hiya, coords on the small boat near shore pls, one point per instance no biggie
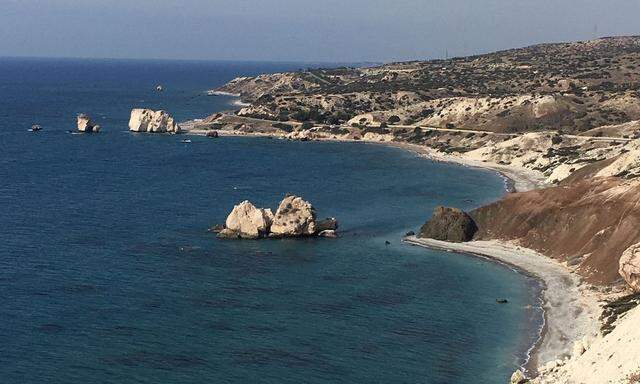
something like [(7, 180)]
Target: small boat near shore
[(35, 128), (186, 141)]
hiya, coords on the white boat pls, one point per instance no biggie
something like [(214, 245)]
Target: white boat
[(186, 141), (35, 128)]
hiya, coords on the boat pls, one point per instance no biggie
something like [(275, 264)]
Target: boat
[(159, 88), (35, 128), (186, 141)]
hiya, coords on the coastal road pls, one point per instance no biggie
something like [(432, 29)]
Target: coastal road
[(513, 135), (432, 128)]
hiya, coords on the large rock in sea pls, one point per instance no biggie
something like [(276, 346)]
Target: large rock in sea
[(247, 221), (449, 224), (294, 217), (629, 267), (147, 120), (86, 124)]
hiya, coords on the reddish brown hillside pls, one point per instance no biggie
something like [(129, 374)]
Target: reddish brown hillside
[(588, 223)]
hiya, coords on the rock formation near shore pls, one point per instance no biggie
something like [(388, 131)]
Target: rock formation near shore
[(147, 120), (86, 124), (630, 266), (449, 224), (294, 217)]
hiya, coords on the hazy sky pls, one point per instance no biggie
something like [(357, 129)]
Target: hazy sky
[(301, 30)]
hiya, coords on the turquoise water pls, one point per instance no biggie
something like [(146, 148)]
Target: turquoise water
[(108, 274)]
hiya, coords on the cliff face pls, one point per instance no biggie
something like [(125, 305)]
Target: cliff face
[(588, 223)]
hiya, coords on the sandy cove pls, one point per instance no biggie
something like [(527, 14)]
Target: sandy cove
[(571, 308)]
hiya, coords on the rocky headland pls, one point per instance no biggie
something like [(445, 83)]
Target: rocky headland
[(294, 217), (561, 121)]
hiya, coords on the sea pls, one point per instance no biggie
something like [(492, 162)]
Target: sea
[(108, 273)]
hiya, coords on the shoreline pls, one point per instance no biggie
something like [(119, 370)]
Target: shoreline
[(516, 179), (564, 298), (570, 308)]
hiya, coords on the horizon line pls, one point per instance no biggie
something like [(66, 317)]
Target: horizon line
[(2, 57)]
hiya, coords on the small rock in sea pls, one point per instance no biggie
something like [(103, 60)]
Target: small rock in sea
[(217, 228), (410, 233), (502, 301), (330, 233), (86, 124), (328, 224), (228, 234), (212, 134), (387, 242)]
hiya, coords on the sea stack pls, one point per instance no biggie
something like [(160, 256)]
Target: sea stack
[(294, 217), (86, 124), (147, 120)]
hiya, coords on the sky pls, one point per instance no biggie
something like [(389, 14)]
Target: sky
[(301, 30)]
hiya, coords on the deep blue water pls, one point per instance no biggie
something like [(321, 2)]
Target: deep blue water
[(108, 275)]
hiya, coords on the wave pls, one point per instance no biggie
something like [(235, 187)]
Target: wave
[(222, 93)]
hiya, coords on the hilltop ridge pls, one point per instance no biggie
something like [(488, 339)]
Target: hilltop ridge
[(573, 87)]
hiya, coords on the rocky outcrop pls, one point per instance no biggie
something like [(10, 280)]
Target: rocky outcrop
[(247, 221), (86, 124), (518, 378), (449, 224), (629, 267), (295, 217), (147, 120)]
